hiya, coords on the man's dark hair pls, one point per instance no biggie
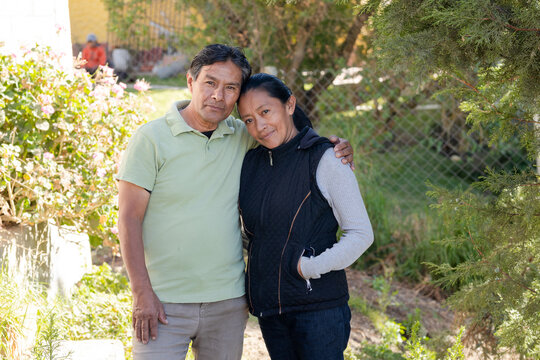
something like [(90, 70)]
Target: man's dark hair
[(276, 88), (220, 53)]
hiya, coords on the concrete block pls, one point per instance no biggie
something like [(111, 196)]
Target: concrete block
[(91, 350), (46, 254)]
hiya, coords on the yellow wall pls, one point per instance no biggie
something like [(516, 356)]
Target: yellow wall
[(88, 16)]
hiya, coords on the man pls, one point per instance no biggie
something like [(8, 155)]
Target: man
[(178, 217), (94, 54)]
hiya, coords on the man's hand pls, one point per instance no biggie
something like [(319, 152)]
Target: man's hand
[(147, 311), (343, 150)]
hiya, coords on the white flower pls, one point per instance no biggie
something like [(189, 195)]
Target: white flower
[(48, 156), (44, 125), (47, 110)]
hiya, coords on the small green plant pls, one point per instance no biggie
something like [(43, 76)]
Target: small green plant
[(455, 352), (383, 285), (100, 307), (378, 352), (48, 337), (415, 348), (411, 320)]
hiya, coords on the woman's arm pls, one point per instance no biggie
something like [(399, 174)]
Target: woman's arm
[(340, 188)]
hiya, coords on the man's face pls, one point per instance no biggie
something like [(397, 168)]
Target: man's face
[(215, 91)]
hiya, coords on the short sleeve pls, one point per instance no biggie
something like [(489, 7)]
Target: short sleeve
[(139, 163)]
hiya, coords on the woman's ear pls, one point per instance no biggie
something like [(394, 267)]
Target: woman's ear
[(291, 104)]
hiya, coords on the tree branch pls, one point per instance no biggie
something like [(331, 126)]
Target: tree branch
[(472, 87)]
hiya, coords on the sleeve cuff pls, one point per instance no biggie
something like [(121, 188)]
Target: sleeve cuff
[(309, 269)]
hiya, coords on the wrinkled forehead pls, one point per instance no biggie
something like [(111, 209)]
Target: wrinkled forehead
[(225, 71)]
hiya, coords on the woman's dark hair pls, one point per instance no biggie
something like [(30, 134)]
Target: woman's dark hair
[(220, 53), (276, 89)]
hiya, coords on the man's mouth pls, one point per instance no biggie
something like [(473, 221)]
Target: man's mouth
[(214, 107)]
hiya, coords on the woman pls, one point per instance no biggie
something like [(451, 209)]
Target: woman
[(294, 193)]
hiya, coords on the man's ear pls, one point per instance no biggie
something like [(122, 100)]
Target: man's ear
[(189, 81), (291, 104)]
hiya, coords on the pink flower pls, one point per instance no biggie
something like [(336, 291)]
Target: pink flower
[(98, 156), (122, 85), (48, 156), (118, 90), (47, 109), (141, 85), (45, 99), (109, 81), (114, 230), (107, 71), (59, 28), (101, 172)]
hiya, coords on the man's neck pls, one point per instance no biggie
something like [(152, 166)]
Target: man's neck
[(194, 120)]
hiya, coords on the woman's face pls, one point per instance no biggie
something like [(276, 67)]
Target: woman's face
[(267, 119)]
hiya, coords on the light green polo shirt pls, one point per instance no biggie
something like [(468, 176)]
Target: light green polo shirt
[(191, 229)]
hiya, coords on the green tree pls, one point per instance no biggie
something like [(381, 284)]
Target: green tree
[(308, 41), (487, 52)]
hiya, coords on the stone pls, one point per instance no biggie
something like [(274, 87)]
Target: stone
[(56, 257), (91, 350)]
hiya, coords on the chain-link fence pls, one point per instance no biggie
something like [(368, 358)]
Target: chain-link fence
[(404, 136)]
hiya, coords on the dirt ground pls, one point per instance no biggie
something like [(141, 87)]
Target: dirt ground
[(435, 318)]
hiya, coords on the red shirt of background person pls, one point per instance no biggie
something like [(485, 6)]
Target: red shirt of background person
[(94, 54)]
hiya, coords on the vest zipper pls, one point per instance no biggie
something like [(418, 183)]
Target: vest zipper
[(283, 251), (249, 278), (271, 160), (308, 285)]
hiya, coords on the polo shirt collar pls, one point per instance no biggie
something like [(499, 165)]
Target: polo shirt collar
[(178, 125)]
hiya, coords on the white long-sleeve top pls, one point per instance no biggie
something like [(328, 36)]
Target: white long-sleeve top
[(339, 187)]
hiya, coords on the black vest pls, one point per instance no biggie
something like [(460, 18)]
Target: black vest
[(284, 214)]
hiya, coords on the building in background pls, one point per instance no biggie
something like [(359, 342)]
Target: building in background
[(25, 23), (148, 38)]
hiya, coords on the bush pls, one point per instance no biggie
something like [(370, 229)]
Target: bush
[(61, 135), (15, 301), (100, 308)]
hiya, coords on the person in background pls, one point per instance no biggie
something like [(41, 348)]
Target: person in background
[(94, 54), (294, 193)]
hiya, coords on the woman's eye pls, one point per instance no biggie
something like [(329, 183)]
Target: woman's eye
[(248, 121)]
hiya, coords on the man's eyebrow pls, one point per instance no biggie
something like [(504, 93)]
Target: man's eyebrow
[(216, 79)]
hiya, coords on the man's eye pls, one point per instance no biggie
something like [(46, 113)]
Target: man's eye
[(211, 83), (265, 111), (233, 88)]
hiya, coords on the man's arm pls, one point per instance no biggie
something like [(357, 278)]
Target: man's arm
[(343, 150), (147, 309)]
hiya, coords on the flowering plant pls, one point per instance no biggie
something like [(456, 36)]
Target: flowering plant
[(61, 136)]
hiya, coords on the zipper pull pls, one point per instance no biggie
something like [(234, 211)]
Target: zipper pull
[(308, 285), (271, 160)]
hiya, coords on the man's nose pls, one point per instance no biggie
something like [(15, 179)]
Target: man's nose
[(217, 95)]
